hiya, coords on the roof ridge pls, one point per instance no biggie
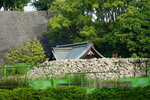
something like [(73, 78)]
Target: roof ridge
[(74, 44)]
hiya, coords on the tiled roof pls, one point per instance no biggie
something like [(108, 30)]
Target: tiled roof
[(72, 51)]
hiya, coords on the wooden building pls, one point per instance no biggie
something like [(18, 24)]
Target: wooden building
[(84, 50)]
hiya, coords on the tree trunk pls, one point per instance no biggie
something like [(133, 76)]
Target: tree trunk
[(4, 5)]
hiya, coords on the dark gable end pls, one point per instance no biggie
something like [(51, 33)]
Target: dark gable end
[(91, 53)]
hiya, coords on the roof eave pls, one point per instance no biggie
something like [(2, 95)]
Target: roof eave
[(98, 52), (91, 46)]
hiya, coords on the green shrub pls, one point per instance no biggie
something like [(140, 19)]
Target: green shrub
[(77, 93), (121, 93), (25, 94), (52, 93), (8, 71), (64, 93), (11, 70), (78, 79), (22, 68), (4, 94), (13, 76), (30, 52)]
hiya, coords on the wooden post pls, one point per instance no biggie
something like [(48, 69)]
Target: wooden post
[(5, 72), (29, 79)]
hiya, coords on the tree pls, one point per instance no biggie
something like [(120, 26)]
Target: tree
[(13, 5), (135, 30), (42, 4), (70, 21), (130, 37), (116, 26), (73, 17), (31, 53)]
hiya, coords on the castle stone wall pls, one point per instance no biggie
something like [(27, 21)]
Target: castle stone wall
[(107, 68)]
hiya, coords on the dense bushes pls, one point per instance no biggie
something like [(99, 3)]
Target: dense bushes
[(65, 93), (77, 93), (30, 52), (5, 94), (121, 93), (52, 93)]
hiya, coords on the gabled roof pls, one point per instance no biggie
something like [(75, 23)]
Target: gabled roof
[(73, 51), (16, 26)]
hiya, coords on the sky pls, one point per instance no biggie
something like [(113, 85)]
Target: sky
[(29, 8), (26, 8)]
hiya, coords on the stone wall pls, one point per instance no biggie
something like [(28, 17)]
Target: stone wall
[(107, 68)]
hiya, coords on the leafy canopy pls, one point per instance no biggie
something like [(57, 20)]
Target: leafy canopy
[(30, 53), (115, 26), (42, 4), (13, 5)]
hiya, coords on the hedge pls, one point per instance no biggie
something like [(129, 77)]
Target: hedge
[(121, 93), (52, 93), (77, 93)]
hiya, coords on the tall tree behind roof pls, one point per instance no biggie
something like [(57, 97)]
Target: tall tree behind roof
[(13, 5), (42, 4), (104, 22)]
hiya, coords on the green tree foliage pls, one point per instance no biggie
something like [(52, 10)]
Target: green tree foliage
[(116, 26), (31, 53), (71, 17), (15, 5), (132, 32), (42, 4), (21, 68), (130, 36)]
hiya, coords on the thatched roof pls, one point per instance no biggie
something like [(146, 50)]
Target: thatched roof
[(19, 26)]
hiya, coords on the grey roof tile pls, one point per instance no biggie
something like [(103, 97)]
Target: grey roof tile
[(72, 51)]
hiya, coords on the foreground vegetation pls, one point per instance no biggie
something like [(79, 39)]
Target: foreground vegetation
[(76, 93)]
